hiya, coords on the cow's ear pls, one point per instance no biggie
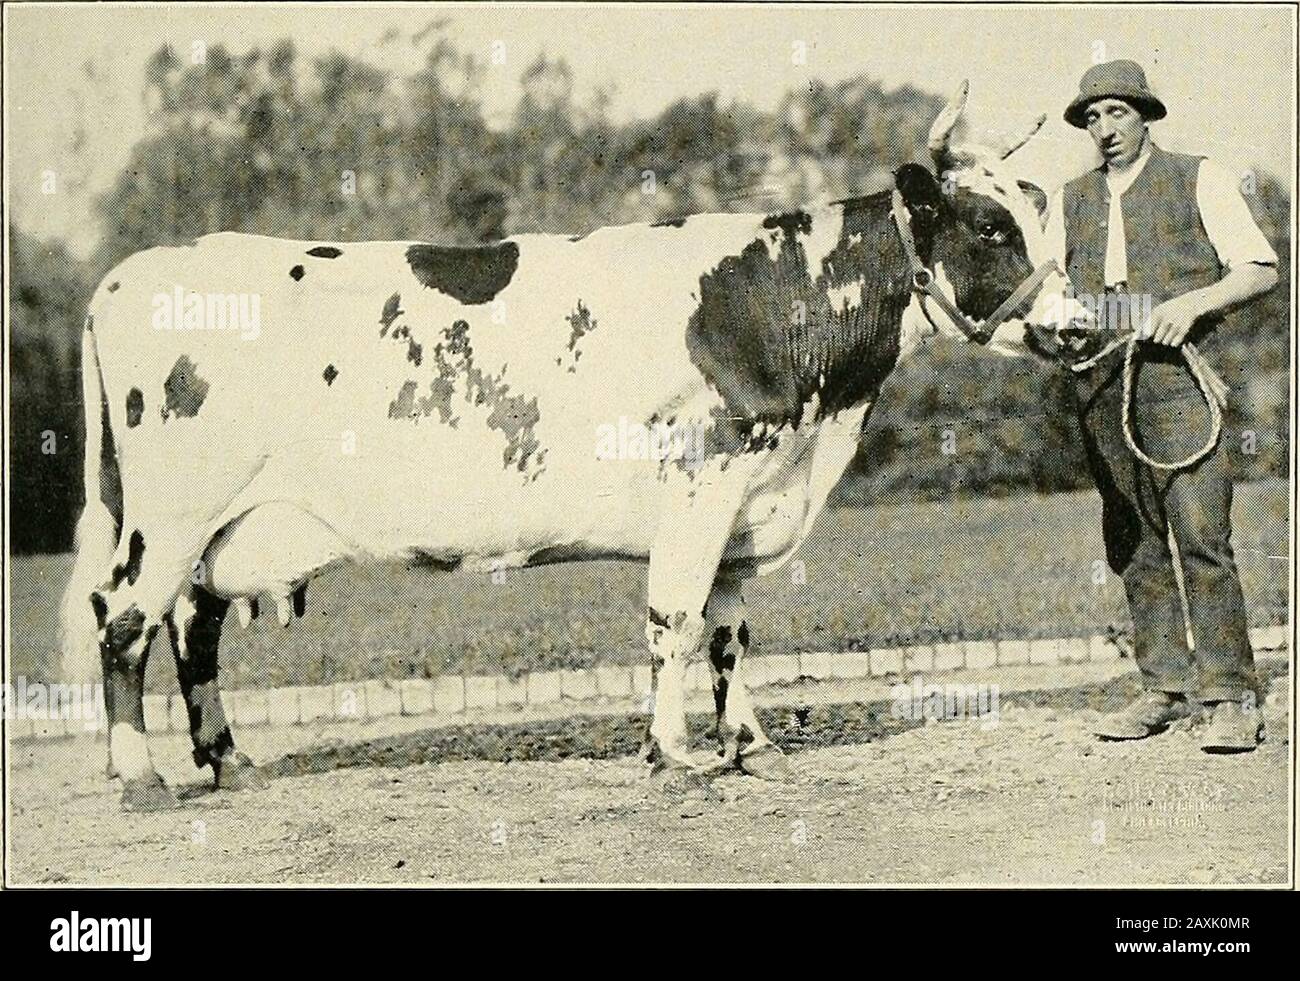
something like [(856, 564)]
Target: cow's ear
[(921, 192), (1035, 194)]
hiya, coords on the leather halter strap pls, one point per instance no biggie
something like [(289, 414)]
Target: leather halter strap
[(924, 285)]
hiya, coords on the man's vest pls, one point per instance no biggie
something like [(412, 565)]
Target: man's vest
[(1168, 251)]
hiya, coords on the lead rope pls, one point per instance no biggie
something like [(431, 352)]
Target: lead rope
[(1213, 390), (1211, 386)]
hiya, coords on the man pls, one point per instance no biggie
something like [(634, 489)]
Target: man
[(1162, 243)]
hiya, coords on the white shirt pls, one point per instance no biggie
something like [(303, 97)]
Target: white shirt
[(1224, 214), (1117, 182)]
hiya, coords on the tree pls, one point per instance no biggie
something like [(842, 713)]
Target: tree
[(49, 289)]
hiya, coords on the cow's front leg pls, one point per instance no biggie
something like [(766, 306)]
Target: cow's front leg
[(741, 738), (693, 532), (195, 630), (672, 638)]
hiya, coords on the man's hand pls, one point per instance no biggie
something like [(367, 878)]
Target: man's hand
[(1172, 320)]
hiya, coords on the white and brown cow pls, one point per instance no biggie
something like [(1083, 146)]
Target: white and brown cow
[(390, 400)]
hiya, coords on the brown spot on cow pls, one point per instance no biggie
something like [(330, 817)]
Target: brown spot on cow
[(100, 606), (392, 310), (790, 222), (517, 418), (403, 407), (722, 660), (297, 273), (438, 400), (767, 363), (458, 338), (134, 407), (724, 663), (470, 274), (581, 324), (123, 631), (514, 415), (325, 252), (330, 374), (130, 570), (114, 286), (184, 390)]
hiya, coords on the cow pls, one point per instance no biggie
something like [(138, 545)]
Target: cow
[(360, 402)]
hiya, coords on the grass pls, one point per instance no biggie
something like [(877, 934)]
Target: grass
[(1016, 567)]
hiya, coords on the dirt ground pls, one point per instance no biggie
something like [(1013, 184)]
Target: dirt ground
[(1031, 799)]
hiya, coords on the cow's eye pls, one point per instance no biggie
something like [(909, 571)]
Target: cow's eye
[(992, 234)]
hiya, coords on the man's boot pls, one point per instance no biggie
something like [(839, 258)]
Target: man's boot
[(1151, 713), (1233, 728)]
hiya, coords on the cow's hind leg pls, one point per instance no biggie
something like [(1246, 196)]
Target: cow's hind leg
[(741, 738), (124, 651), (195, 630), (148, 571)]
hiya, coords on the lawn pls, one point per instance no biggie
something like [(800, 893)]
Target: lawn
[(973, 568)]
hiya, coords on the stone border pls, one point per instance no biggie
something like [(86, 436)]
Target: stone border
[(455, 695)]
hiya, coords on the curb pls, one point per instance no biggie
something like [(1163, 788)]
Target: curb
[(456, 695)]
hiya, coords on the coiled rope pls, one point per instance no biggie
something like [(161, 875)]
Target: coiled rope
[(1212, 388)]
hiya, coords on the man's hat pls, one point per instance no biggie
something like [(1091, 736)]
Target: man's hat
[(1114, 80)]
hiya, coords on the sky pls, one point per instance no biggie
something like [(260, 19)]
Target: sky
[(1227, 74)]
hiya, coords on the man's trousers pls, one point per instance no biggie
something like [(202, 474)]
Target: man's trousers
[(1140, 504)]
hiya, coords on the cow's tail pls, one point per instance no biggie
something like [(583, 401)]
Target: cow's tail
[(97, 529)]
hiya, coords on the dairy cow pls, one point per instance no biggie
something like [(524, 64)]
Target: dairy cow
[(258, 410)]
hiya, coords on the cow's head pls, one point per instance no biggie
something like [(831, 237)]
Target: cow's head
[(980, 230)]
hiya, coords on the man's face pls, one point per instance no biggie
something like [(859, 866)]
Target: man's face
[(1118, 129)]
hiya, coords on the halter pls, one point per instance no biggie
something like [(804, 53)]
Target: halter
[(924, 286)]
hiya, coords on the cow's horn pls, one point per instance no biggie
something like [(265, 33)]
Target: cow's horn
[(1011, 146), (946, 122), (244, 610)]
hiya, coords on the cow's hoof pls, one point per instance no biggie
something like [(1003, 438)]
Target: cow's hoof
[(725, 762), (675, 779), (236, 771), (148, 794), (767, 763)]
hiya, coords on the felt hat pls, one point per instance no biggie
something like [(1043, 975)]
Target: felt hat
[(1114, 80)]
